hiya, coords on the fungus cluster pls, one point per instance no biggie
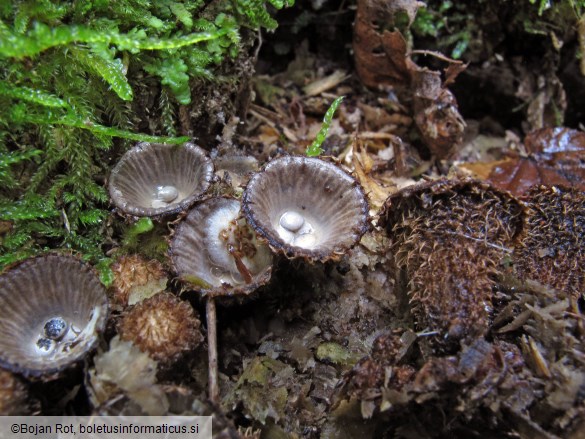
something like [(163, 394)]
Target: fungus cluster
[(299, 206), (296, 206)]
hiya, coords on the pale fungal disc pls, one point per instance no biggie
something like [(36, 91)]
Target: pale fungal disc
[(164, 196), (217, 272), (285, 235), (55, 328), (295, 230), (167, 194), (237, 277), (292, 221), (158, 203)]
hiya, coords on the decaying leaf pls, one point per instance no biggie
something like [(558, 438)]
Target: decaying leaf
[(262, 389), (382, 58), (436, 114), (380, 49), (362, 164), (554, 158)]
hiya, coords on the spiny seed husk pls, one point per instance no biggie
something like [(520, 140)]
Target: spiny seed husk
[(13, 396), (131, 272), (448, 239), (552, 249), (163, 326)]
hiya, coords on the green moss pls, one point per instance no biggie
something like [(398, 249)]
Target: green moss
[(68, 72), (314, 149)]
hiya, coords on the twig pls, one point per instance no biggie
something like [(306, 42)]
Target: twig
[(212, 350), (435, 54)]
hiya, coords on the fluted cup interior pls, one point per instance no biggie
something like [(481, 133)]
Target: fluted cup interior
[(306, 207), (156, 179), (52, 309)]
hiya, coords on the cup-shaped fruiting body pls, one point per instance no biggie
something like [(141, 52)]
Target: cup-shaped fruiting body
[(52, 309), (306, 207), (163, 326), (551, 250), (237, 168), (448, 239), (215, 251), (154, 179)]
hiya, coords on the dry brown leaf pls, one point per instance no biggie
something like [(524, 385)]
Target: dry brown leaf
[(382, 58), (555, 159), (327, 83), (362, 163)]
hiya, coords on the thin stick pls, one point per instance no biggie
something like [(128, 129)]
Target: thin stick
[(212, 350), (436, 55)]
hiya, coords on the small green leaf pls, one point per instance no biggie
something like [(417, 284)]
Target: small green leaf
[(314, 149), (143, 225), (43, 37), (31, 95), (73, 120), (10, 158), (182, 14), (92, 216), (27, 210), (105, 271), (111, 70), (173, 73)]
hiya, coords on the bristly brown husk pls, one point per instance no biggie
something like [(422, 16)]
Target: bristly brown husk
[(163, 326), (13, 395), (552, 250), (136, 276), (448, 240)]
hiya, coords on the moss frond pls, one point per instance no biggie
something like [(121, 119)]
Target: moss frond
[(68, 74)]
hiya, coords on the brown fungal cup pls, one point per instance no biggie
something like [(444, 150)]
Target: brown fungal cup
[(306, 207), (216, 252), (155, 179), (53, 308)]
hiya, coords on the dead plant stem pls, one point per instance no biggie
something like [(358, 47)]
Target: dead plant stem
[(212, 350)]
